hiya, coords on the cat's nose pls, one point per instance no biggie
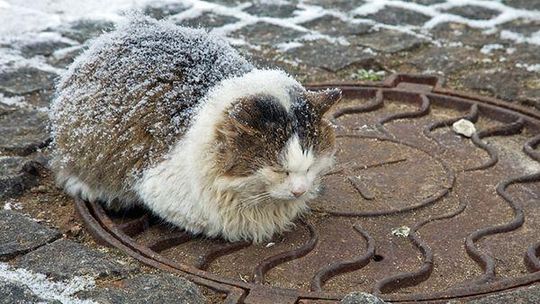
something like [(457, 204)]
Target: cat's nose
[(298, 193)]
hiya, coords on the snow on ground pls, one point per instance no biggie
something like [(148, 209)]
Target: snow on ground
[(45, 288), (36, 20)]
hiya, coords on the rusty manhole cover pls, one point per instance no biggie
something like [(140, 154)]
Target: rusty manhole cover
[(472, 207)]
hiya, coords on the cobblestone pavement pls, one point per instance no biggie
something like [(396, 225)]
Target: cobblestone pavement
[(485, 47)]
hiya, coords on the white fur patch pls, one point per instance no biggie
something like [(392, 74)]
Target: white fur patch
[(296, 159), (185, 188)]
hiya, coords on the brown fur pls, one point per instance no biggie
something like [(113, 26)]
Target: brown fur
[(257, 129)]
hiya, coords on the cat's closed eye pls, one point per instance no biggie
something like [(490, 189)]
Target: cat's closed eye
[(281, 171)]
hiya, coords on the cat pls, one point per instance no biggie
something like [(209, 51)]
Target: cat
[(175, 119)]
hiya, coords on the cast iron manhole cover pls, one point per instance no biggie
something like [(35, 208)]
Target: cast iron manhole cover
[(412, 211)]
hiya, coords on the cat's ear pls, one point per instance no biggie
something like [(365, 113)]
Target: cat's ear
[(323, 100)]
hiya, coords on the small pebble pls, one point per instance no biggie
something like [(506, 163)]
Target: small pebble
[(270, 244), (464, 127), (402, 231)]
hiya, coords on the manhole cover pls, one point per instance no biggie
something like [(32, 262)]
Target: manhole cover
[(412, 212)]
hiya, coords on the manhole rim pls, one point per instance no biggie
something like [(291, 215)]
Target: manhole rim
[(237, 290)]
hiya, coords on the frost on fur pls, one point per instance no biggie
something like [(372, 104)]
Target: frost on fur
[(146, 114)]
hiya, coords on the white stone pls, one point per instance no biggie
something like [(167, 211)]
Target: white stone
[(464, 127), (402, 231)]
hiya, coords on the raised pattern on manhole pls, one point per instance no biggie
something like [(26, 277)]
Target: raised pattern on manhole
[(399, 164)]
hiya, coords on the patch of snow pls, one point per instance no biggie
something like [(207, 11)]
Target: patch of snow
[(12, 205), (284, 47), (20, 102), (454, 44), (369, 51), (12, 59), (529, 67), (40, 285), (17, 101), (488, 48), (520, 38)]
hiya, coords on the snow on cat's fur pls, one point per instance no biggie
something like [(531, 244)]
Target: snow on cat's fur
[(175, 119)]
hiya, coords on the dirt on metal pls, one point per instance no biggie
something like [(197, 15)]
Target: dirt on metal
[(412, 211)]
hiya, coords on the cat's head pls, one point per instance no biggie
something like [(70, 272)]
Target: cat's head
[(278, 150)]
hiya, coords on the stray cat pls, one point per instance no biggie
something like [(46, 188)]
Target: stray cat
[(175, 119)]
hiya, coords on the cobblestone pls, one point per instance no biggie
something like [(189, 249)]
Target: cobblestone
[(25, 80), (23, 130), (63, 259), (148, 288), (19, 234), (389, 41), (262, 33), (398, 16), (82, 30), (208, 20), (17, 174), (329, 56)]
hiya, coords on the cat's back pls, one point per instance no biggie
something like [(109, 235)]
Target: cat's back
[(126, 100)]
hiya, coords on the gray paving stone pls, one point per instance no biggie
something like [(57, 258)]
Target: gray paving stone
[(398, 16), (464, 35), (41, 48), (82, 30), (17, 174), (445, 60), (524, 4), (25, 80), (12, 293), (148, 288), (504, 85), (428, 2), (19, 234), (271, 9), (262, 33), (63, 259), (342, 5), (23, 131), (333, 26), (208, 20), (388, 41), (473, 12), (523, 53), (361, 298), (161, 11), (330, 56)]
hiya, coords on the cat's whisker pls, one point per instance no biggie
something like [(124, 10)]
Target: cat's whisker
[(254, 200)]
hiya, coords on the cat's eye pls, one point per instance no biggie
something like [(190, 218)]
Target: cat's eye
[(281, 171)]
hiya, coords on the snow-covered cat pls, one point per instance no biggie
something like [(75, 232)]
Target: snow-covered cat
[(175, 119)]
